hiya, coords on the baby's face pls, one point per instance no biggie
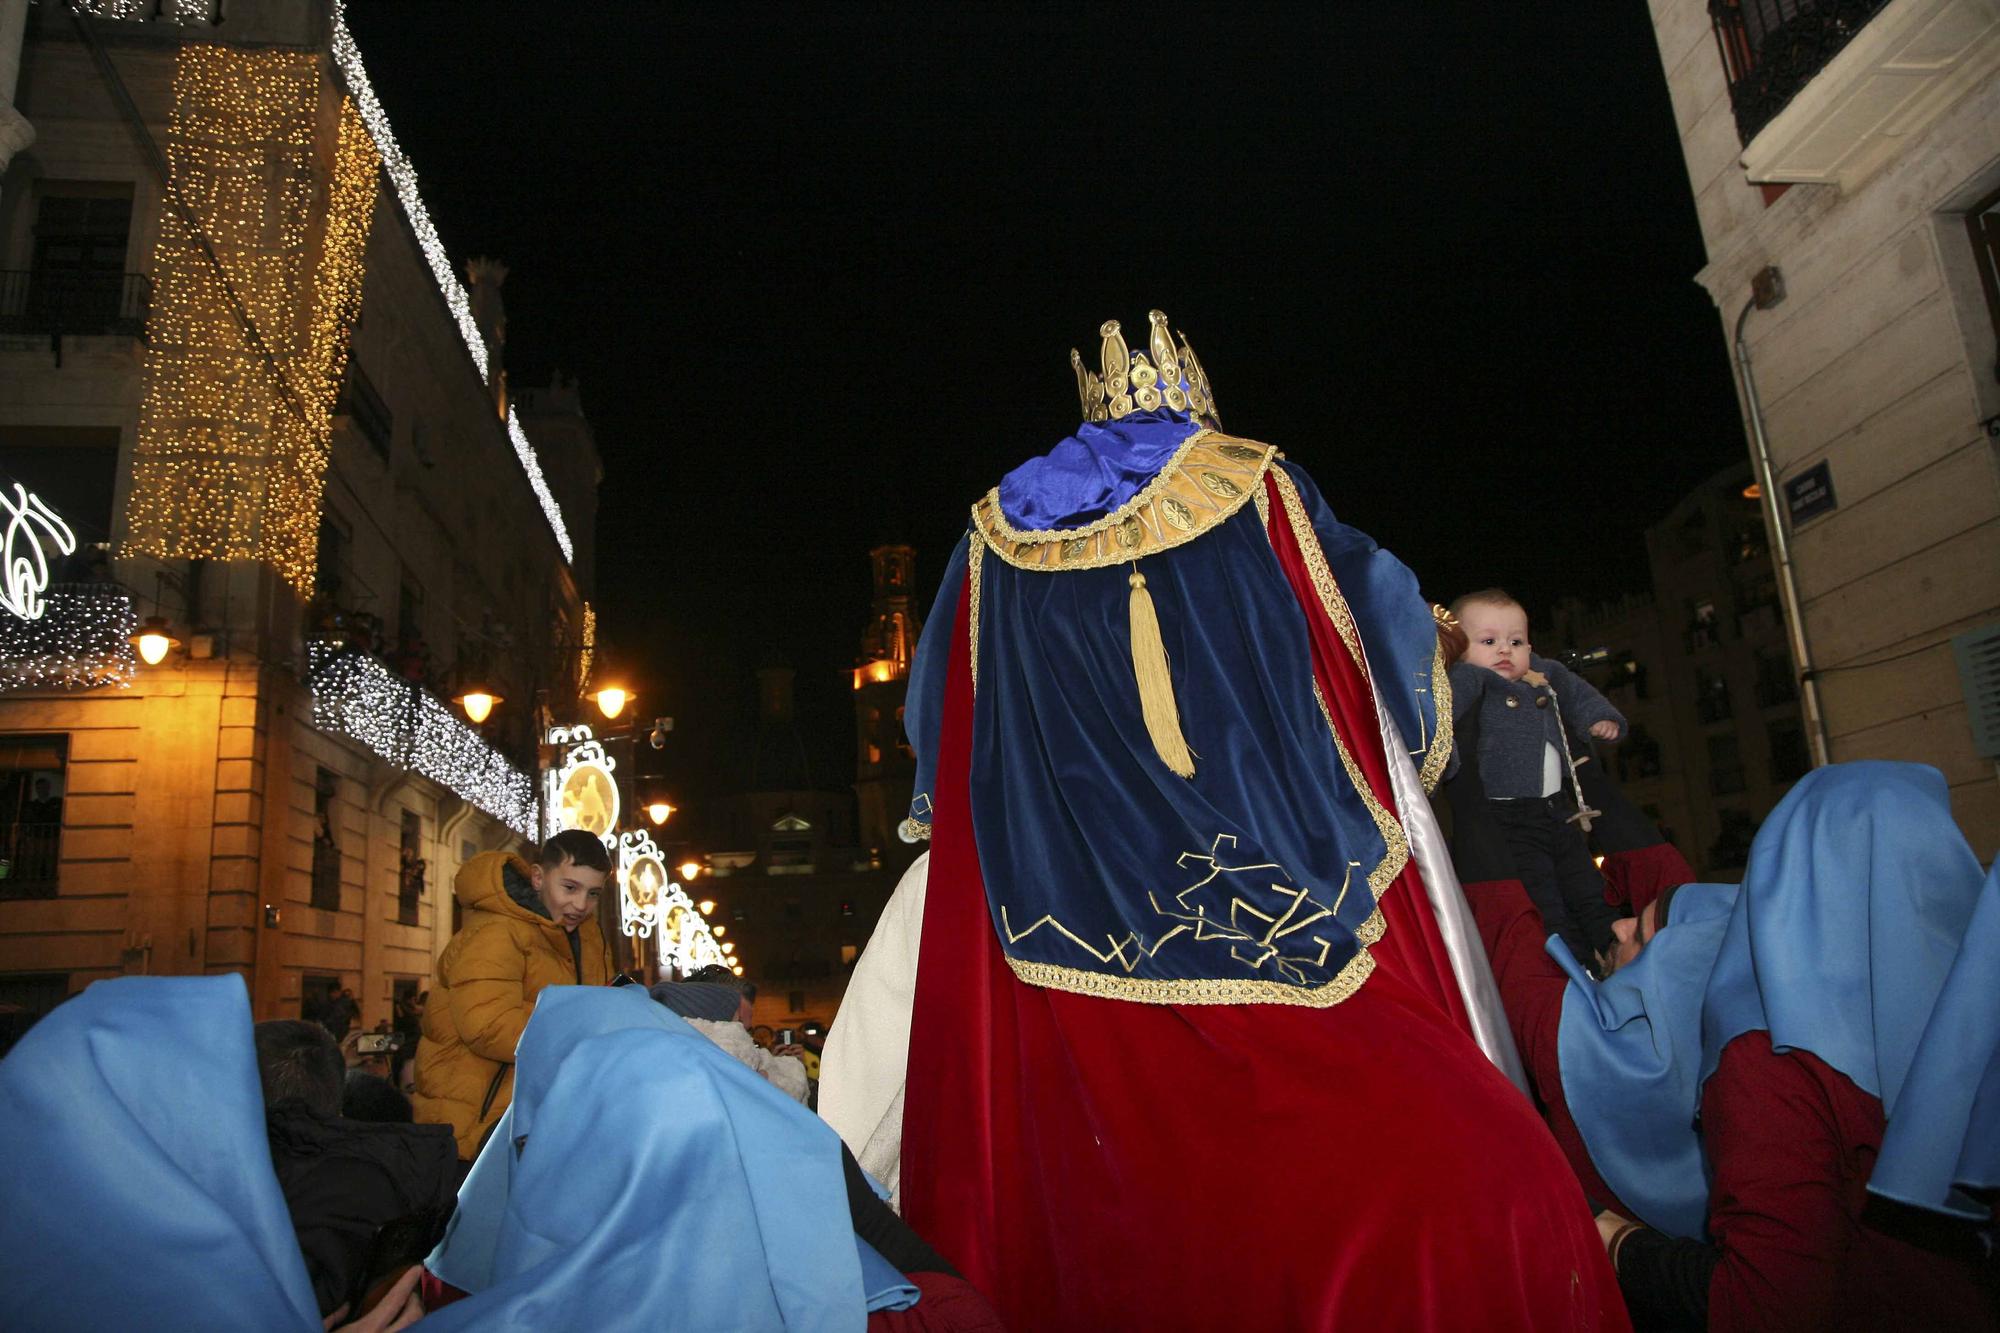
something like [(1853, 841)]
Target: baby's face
[(1497, 638)]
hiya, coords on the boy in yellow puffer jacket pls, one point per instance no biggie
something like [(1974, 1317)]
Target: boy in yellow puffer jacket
[(526, 927)]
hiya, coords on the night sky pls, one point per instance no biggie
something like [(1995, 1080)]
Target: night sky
[(819, 268)]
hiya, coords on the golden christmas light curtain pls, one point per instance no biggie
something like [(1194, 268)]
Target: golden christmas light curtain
[(234, 422)]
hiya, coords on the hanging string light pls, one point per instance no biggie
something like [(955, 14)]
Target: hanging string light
[(82, 640), (235, 419), (403, 176), (357, 696)]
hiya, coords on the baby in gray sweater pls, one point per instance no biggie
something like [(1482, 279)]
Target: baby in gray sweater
[(1532, 714)]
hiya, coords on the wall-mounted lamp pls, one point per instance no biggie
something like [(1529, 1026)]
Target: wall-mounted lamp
[(153, 640)]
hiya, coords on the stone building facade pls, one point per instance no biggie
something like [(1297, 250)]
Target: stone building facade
[(1855, 150), (235, 361)]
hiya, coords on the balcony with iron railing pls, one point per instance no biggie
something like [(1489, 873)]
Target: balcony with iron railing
[(29, 856), (1773, 48), (54, 304), (1829, 91)]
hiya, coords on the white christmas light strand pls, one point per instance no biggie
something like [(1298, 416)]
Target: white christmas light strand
[(82, 640), (356, 696), (183, 12), (532, 466), (404, 177)]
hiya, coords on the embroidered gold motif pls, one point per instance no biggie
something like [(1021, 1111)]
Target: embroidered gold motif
[(1280, 939), (1199, 487), (1322, 575)]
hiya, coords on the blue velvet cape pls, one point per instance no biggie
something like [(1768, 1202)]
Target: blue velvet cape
[(1864, 934), (641, 1168), (1105, 872)]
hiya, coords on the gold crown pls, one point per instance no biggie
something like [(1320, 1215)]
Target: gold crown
[(1131, 383)]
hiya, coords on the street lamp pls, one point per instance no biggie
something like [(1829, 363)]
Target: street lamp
[(720, 931), (611, 700), (689, 869), (153, 640), (478, 700), (657, 811), (706, 905)]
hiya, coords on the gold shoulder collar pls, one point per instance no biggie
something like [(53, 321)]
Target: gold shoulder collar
[(1208, 479)]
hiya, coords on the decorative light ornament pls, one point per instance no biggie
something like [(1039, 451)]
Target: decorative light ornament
[(611, 700), (355, 695), (27, 562), (689, 869), (589, 649), (657, 811), (649, 902), (587, 795), (153, 640)]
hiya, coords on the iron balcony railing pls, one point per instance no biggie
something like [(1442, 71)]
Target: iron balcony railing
[(1773, 48), (29, 855), (53, 302)]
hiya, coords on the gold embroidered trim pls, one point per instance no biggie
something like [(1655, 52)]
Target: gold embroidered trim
[(1395, 843), (1212, 990), (975, 559), (1330, 596), (914, 829), (1439, 753), (1207, 480)]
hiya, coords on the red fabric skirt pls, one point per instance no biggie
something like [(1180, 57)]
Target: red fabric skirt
[(1101, 1164)]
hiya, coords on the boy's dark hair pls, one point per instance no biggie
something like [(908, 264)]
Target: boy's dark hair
[(575, 845), (299, 1060)]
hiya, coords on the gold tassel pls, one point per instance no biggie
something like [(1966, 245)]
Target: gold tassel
[(1156, 684)]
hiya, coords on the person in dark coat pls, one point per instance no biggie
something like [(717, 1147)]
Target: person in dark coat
[(345, 1181)]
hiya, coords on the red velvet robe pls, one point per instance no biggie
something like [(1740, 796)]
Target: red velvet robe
[(1791, 1142), (1098, 1164)]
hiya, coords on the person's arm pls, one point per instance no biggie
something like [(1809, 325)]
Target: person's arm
[(1468, 687), (923, 698), (1582, 706), (489, 1002), (1777, 1211), (874, 1222), (1665, 1280)]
